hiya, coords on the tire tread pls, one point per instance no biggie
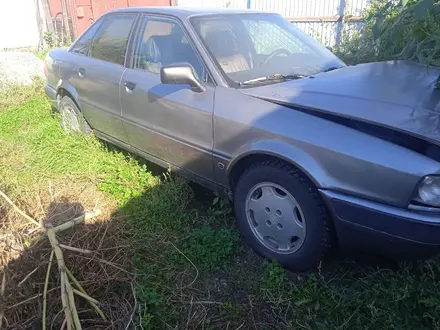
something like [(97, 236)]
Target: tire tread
[(326, 238)]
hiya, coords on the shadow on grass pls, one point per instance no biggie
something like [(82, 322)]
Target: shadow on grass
[(194, 272), (192, 269)]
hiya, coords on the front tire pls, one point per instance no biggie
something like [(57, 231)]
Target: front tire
[(281, 215), (72, 120)]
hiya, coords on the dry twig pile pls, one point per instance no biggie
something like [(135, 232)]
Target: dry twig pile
[(70, 297)]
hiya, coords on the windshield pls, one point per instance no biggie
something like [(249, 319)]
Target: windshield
[(246, 47)]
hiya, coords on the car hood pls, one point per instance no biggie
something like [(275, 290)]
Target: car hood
[(400, 95)]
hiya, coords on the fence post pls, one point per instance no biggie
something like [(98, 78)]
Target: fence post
[(248, 4), (340, 22)]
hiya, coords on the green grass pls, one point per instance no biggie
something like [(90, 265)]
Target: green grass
[(41, 54), (36, 149), (193, 270)]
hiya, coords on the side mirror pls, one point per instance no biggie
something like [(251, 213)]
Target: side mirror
[(182, 73)]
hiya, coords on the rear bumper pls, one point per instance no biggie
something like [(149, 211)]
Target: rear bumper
[(52, 95), (385, 229)]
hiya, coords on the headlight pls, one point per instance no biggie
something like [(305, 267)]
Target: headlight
[(429, 191)]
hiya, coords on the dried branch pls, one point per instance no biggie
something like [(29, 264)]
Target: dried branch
[(85, 296), (67, 294), (27, 276), (72, 304), (74, 249), (63, 324), (30, 299), (18, 210), (69, 224), (2, 297), (65, 303), (197, 271), (46, 284), (81, 289)]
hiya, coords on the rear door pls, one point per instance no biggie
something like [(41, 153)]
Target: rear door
[(97, 76), (170, 122)]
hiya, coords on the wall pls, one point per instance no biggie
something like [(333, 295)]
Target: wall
[(18, 18), (86, 11), (18, 24)]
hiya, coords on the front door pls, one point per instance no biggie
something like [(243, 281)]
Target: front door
[(97, 76), (169, 122)]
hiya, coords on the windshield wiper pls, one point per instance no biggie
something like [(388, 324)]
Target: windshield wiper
[(332, 68), (274, 77)]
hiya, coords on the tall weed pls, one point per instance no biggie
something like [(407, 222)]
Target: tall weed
[(406, 29)]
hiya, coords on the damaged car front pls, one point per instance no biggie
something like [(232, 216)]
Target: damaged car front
[(367, 136), (395, 107)]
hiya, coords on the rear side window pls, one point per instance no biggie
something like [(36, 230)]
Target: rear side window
[(81, 47), (110, 42)]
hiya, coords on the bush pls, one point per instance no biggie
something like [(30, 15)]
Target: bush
[(406, 29)]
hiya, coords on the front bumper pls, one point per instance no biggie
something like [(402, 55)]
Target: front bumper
[(52, 95), (385, 229)]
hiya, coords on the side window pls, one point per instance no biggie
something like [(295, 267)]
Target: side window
[(110, 42), (268, 37), (81, 46), (163, 42)]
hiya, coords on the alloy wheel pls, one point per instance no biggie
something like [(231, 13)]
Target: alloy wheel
[(275, 218)]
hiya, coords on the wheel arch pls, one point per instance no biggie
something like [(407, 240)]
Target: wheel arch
[(276, 150), (64, 89)]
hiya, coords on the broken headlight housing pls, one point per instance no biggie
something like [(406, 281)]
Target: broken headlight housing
[(428, 191)]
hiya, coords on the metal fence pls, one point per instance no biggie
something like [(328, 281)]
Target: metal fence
[(329, 21)]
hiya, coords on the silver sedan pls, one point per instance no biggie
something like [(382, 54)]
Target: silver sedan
[(312, 152)]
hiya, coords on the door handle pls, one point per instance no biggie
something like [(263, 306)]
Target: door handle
[(81, 72), (129, 86)]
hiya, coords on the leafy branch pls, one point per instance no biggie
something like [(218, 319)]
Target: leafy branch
[(407, 29)]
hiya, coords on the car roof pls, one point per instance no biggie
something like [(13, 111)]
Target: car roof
[(183, 12)]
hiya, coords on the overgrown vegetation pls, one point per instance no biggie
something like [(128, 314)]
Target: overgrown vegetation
[(406, 29), (57, 40), (41, 54)]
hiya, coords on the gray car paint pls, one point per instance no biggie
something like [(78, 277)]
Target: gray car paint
[(400, 95), (170, 122), (334, 156), (239, 123), (98, 91)]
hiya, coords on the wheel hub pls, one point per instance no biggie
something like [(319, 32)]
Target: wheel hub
[(275, 218), (69, 121)]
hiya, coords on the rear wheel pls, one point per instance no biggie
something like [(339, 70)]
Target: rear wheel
[(282, 216), (72, 120)]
